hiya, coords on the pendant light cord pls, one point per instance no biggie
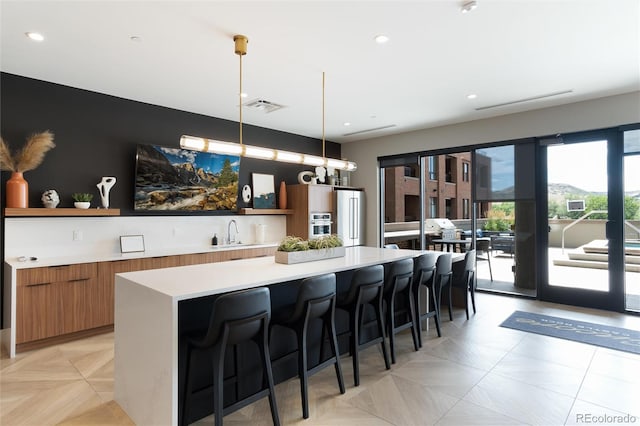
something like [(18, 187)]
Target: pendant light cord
[(323, 147), (240, 99)]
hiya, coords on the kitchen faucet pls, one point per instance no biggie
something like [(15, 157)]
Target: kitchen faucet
[(229, 240)]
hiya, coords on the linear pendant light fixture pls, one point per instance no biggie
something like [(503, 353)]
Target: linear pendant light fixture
[(231, 148)]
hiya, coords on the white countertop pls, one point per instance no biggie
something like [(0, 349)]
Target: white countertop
[(93, 257), (185, 282)]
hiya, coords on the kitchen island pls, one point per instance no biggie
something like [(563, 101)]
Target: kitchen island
[(149, 306)]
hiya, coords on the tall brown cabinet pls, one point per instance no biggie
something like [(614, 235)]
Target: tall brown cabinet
[(304, 200)]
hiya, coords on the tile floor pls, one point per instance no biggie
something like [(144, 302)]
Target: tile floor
[(476, 374)]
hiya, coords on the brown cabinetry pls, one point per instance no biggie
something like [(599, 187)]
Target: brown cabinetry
[(304, 200), (58, 302)]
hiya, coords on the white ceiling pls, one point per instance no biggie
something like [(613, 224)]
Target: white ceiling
[(503, 51)]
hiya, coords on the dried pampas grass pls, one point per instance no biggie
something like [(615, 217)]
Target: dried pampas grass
[(30, 156), (6, 159)]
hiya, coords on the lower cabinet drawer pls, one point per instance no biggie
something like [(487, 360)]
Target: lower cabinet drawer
[(53, 274)]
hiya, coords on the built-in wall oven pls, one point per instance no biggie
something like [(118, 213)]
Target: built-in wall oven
[(319, 224)]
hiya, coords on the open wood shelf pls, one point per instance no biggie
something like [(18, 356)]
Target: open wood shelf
[(35, 212), (249, 211)]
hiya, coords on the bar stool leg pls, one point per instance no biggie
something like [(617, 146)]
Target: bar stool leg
[(266, 365), (355, 343), (379, 320), (302, 368), (391, 325), (218, 382), (330, 322)]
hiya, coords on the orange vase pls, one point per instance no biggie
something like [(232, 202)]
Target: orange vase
[(17, 191), (282, 196)]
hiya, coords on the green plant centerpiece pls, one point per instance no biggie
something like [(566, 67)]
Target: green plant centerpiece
[(296, 250), (82, 200)]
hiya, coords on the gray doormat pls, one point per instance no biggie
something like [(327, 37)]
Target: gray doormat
[(621, 339)]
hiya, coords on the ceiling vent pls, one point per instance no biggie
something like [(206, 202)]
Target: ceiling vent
[(388, 126), (263, 105), (519, 101)]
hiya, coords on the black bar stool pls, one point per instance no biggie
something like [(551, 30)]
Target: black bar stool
[(366, 289), (236, 317), (466, 283), (316, 299), (398, 283), (424, 267), (442, 278)]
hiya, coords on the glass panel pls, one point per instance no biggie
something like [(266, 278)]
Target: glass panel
[(632, 230), (632, 141), (577, 211), (506, 223), (402, 205), (433, 167), (495, 173)]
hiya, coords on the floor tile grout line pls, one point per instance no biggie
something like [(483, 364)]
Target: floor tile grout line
[(586, 371)]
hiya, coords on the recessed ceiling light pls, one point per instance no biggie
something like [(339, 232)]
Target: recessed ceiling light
[(136, 39), (472, 96), (35, 36), (347, 124), (468, 6), (380, 39)]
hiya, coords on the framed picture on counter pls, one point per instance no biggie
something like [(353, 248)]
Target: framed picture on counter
[(131, 243)]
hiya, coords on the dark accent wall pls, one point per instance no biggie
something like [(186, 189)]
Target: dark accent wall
[(96, 135)]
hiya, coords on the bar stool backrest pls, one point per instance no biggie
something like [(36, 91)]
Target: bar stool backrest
[(443, 269), (362, 277), (424, 267), (400, 273), (235, 307), (322, 286)]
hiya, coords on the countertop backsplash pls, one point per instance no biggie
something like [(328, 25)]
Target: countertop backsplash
[(87, 237)]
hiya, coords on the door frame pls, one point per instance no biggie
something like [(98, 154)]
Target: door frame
[(613, 300)]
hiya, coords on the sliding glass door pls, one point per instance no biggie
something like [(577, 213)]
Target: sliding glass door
[(584, 220), (632, 219), (504, 199)]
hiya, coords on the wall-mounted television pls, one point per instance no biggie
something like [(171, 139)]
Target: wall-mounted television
[(185, 180)]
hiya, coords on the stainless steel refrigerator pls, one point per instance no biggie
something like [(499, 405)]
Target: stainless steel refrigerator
[(348, 216)]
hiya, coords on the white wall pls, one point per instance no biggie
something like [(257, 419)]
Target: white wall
[(595, 114), (53, 236)]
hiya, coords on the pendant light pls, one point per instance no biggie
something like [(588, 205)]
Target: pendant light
[(240, 149)]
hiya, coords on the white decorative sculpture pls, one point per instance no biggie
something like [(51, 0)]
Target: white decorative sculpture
[(321, 173), (50, 199), (105, 186), (306, 174)]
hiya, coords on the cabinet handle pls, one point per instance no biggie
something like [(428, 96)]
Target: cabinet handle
[(38, 284), (78, 280)]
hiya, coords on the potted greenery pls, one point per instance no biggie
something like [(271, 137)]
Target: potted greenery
[(82, 200), (296, 250)]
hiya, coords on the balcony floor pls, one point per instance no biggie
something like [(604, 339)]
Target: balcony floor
[(566, 276)]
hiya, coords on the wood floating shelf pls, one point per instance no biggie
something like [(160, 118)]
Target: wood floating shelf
[(249, 211), (35, 212)]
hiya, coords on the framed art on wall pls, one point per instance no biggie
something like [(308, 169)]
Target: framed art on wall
[(181, 179), (264, 192)]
